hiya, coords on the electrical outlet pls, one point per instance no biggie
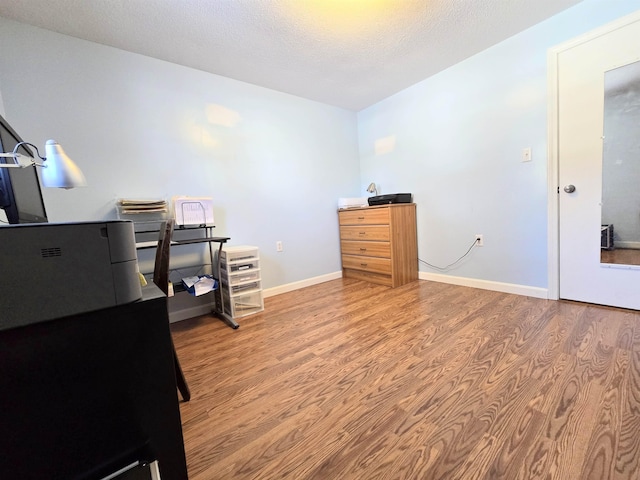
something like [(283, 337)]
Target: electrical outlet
[(279, 246), (479, 240)]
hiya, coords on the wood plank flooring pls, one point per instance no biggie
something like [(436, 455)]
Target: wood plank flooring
[(621, 256), (350, 380)]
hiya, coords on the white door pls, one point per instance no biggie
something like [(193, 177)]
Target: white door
[(584, 68)]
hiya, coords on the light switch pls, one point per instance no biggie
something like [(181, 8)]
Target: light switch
[(526, 154)]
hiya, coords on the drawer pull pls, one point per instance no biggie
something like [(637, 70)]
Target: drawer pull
[(360, 218), (363, 233), (363, 249), (363, 264)]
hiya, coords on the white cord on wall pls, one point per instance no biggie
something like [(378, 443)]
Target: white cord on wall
[(474, 244)]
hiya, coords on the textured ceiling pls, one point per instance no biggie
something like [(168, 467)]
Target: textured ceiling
[(349, 53)]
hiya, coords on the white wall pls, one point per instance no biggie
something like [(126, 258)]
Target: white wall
[(455, 141), (274, 164)]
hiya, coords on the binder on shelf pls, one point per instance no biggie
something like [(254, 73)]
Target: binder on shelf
[(193, 211)]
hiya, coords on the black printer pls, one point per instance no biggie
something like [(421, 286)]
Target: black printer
[(51, 270), (390, 198)]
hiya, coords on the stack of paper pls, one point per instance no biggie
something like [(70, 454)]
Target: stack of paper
[(200, 284), (142, 206)]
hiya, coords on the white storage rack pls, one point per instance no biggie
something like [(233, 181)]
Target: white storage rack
[(240, 280)]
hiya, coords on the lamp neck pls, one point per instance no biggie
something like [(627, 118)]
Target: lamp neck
[(18, 145)]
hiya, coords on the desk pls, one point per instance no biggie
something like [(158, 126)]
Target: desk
[(200, 235), (84, 395)]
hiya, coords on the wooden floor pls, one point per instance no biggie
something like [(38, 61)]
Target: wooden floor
[(349, 380), (622, 256)]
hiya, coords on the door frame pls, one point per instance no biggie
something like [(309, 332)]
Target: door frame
[(553, 160)]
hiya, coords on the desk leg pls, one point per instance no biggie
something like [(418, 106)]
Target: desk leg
[(180, 380), (219, 303)]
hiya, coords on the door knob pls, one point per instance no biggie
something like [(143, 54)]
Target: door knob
[(570, 188)]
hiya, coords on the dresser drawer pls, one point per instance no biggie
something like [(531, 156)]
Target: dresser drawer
[(368, 264), (365, 232), (370, 249), (378, 278), (374, 216)]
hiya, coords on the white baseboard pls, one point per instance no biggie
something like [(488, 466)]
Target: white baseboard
[(525, 290), (632, 245), (289, 287), (205, 309)]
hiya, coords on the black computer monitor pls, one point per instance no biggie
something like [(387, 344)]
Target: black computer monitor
[(20, 194)]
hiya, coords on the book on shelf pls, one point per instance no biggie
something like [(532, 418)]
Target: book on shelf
[(128, 205), (127, 201)]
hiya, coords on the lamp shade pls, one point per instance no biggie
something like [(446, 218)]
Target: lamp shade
[(59, 170)]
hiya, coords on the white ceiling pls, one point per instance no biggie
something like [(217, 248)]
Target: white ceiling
[(348, 53)]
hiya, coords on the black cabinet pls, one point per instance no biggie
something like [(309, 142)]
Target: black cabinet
[(86, 395)]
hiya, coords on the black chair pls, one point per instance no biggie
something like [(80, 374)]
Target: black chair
[(161, 279)]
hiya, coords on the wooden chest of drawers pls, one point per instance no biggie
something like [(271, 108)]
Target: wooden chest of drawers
[(379, 244)]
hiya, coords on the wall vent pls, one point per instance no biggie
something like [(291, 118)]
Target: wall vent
[(51, 252)]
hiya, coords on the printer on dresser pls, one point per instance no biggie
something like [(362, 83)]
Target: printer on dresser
[(379, 243)]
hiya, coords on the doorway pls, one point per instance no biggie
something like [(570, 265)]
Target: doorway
[(591, 87)]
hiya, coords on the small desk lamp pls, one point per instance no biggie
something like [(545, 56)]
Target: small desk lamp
[(372, 188), (59, 171)]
